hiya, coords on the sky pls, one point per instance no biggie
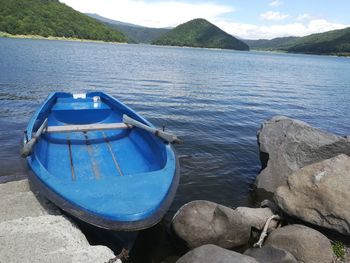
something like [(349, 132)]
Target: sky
[(248, 19)]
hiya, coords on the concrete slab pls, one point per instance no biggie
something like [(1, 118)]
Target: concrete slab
[(22, 203), (33, 230), (14, 187)]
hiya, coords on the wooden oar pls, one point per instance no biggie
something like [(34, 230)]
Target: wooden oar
[(161, 134), (28, 147)]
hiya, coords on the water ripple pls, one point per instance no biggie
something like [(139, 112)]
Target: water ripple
[(214, 100)]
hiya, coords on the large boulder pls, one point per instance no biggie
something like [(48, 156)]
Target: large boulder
[(203, 222), (304, 243), (214, 254), (319, 194), (286, 145), (271, 254)]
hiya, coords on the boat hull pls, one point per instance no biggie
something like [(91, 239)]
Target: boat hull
[(92, 177)]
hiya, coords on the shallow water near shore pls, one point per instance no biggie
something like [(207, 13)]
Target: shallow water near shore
[(214, 100)]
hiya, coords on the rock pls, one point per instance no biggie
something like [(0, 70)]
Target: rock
[(271, 254), (203, 222), (319, 194), (286, 145), (255, 217), (268, 203), (304, 243), (214, 254)]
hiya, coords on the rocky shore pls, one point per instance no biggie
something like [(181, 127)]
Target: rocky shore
[(308, 219)]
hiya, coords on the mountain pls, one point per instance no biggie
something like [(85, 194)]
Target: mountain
[(273, 44), (335, 42), (134, 33), (52, 18), (200, 33)]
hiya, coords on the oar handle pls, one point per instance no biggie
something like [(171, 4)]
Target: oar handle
[(161, 134), (28, 147)]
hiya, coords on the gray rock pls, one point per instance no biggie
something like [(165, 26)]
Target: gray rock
[(268, 203), (203, 222), (254, 217), (304, 243), (286, 145), (214, 254), (319, 194), (271, 254)]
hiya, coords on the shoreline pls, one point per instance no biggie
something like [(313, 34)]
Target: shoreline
[(8, 35), (340, 55), (38, 37)]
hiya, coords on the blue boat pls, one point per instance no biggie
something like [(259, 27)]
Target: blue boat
[(100, 161)]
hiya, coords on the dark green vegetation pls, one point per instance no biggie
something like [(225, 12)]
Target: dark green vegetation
[(273, 44), (134, 33), (339, 250), (52, 18), (200, 33), (139, 34), (331, 42), (336, 42)]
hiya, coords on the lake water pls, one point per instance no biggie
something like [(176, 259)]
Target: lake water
[(215, 100)]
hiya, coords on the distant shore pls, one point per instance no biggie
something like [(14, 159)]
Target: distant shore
[(7, 35), (340, 54)]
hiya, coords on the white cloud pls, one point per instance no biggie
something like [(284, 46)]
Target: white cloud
[(303, 17), (275, 16), (158, 13), (276, 3), (152, 14), (250, 31)]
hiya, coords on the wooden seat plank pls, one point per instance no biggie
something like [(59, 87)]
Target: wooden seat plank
[(87, 127)]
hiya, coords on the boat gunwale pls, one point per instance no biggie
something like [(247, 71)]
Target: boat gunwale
[(54, 95)]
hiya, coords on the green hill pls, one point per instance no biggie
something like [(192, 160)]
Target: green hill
[(134, 33), (334, 42), (52, 18), (200, 33), (137, 34), (273, 44)]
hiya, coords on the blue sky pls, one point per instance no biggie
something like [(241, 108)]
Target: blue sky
[(250, 19), (248, 11)]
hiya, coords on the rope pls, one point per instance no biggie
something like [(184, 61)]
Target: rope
[(264, 232)]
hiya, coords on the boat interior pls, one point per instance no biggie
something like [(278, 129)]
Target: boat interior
[(95, 154)]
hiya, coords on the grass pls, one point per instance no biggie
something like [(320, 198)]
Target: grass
[(339, 250), (4, 34)]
